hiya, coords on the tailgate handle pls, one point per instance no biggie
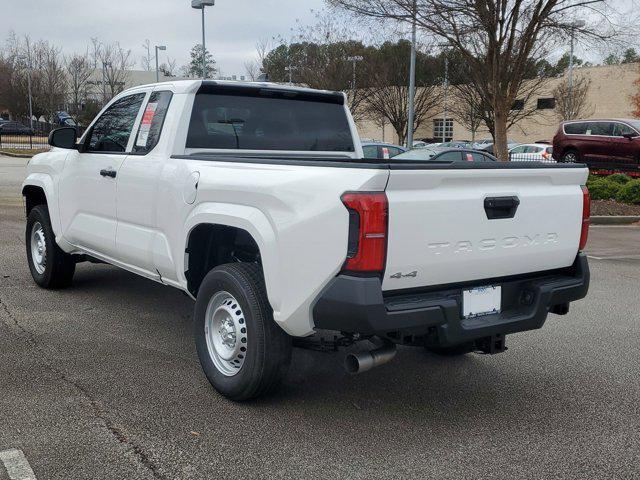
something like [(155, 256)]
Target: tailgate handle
[(501, 207)]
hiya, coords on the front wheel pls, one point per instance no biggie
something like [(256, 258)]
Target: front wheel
[(50, 266), (243, 353)]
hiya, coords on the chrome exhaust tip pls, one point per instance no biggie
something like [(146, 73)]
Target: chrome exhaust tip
[(361, 362)]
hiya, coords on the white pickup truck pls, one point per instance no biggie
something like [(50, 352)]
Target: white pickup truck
[(256, 201)]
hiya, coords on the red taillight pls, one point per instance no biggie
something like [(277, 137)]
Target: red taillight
[(586, 214), (367, 231)]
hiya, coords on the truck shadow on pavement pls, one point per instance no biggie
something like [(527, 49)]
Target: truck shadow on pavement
[(157, 320)]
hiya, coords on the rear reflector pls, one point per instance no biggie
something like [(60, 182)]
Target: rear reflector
[(586, 215), (367, 249)]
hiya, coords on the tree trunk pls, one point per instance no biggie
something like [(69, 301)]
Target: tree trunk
[(500, 148)]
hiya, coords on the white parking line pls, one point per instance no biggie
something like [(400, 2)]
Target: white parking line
[(16, 464)]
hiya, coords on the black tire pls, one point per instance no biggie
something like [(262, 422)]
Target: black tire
[(453, 351), (571, 156), (59, 266), (268, 347)]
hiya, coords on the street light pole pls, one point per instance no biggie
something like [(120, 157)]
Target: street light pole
[(355, 59), (27, 60), (445, 86), (160, 47), (199, 5), (573, 26), (412, 78)]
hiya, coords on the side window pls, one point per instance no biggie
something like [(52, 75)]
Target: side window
[(112, 130), (448, 157), (393, 151), (519, 149), (370, 151), (152, 121), (601, 128), (620, 129), (575, 128)]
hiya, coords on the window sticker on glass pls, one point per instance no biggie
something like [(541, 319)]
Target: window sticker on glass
[(145, 126), (385, 153), (469, 157)]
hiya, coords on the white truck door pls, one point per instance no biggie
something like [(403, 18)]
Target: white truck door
[(87, 199), (139, 243)]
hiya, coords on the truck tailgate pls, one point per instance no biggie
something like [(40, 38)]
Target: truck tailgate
[(440, 231)]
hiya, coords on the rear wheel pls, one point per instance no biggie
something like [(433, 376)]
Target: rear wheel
[(243, 353), (50, 266), (452, 351), (571, 156)]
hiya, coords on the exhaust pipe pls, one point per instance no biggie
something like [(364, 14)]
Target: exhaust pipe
[(363, 361)]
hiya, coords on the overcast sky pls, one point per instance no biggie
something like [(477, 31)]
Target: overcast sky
[(233, 26)]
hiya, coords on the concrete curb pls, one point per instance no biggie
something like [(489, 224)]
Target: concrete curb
[(15, 155), (614, 219)]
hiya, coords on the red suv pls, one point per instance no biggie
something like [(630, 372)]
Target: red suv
[(612, 145)]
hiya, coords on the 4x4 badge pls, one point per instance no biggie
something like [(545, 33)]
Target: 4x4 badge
[(400, 275)]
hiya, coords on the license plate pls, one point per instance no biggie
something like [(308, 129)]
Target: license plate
[(481, 301)]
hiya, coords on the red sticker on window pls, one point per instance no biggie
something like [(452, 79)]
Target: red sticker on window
[(469, 157), (145, 125)]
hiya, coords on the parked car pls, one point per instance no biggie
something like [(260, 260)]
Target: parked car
[(456, 144), (14, 128), (64, 119), (601, 144), (381, 150), (446, 154), (489, 147), (531, 152), (256, 202)]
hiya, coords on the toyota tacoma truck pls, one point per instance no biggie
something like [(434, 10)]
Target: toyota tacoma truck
[(256, 200)]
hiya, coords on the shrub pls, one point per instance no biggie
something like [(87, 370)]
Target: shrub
[(620, 178), (629, 193), (603, 189)]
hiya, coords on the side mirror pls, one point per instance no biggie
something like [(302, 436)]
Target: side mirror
[(630, 136), (64, 137)]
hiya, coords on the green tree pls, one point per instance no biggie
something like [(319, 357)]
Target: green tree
[(630, 56), (611, 59), (194, 68)]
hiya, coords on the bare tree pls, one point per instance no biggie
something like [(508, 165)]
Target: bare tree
[(116, 63), (497, 39), (78, 69), (147, 59), (254, 68), (168, 68), (467, 108), (388, 94), (572, 103)]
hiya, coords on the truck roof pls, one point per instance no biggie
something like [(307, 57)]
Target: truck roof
[(192, 86)]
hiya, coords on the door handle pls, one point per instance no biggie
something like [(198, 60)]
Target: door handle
[(107, 172), (501, 207)]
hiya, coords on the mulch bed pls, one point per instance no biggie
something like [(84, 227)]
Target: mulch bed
[(611, 207)]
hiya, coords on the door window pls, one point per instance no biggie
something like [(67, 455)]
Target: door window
[(152, 121), (600, 128), (620, 129), (393, 151), (519, 149), (370, 151), (453, 156), (111, 132)]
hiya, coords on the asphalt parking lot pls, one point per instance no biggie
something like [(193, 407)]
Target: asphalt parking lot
[(101, 381)]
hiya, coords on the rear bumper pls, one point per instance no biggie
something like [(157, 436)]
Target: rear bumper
[(357, 305)]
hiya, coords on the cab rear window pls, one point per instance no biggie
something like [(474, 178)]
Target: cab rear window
[(244, 118)]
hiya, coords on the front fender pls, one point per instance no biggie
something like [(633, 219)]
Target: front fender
[(246, 218), (45, 182)]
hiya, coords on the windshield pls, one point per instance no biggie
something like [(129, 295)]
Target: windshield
[(269, 119), (417, 154)]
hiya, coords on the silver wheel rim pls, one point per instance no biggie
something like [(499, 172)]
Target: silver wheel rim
[(570, 158), (226, 333), (38, 248)]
